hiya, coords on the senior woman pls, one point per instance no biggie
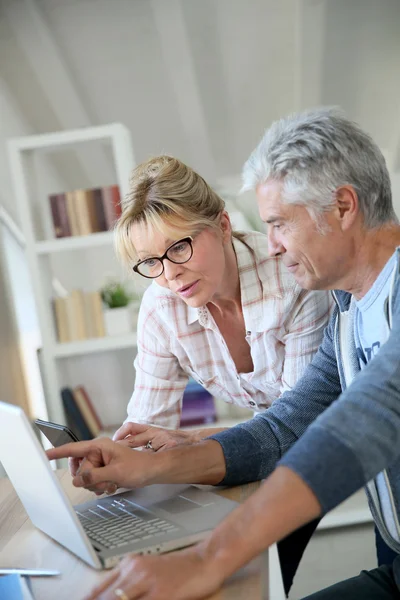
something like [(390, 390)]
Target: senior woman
[(219, 309)]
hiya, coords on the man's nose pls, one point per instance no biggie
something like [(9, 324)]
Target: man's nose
[(275, 247)]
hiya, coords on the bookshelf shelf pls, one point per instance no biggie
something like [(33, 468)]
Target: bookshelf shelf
[(64, 139), (34, 180), (95, 345), (82, 242)]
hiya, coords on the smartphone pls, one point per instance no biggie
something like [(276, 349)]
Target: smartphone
[(56, 434)]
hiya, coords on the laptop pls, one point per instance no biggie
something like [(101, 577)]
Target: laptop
[(152, 520)]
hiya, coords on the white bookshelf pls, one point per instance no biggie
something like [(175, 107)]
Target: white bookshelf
[(41, 243), (80, 242), (104, 344)]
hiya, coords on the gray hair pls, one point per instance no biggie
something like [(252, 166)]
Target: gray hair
[(314, 153)]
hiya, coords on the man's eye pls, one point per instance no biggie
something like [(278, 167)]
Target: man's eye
[(277, 226)]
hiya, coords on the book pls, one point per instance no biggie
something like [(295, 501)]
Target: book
[(89, 316), (99, 208), (78, 315), (72, 214), (75, 419), (61, 317), (15, 587), (109, 208), (82, 211), (87, 409), (95, 224), (59, 215), (63, 215), (97, 313), (198, 406), (55, 215)]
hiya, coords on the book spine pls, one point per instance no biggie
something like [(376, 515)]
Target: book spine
[(55, 215), (90, 201), (63, 214), (75, 419), (98, 315), (99, 208), (80, 400), (78, 312), (71, 212), (61, 315), (82, 211), (89, 316), (109, 209), (92, 408)]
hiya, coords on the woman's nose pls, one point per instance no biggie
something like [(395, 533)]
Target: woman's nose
[(172, 270)]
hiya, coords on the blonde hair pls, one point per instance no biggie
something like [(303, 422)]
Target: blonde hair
[(168, 195)]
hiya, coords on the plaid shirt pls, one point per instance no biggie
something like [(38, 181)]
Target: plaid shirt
[(284, 326)]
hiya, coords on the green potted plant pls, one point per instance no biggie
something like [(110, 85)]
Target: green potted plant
[(117, 297)]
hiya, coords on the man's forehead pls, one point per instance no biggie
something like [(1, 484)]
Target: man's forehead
[(269, 199)]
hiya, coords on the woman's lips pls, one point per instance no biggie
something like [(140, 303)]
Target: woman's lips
[(187, 291)]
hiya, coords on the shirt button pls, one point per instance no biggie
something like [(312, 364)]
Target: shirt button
[(248, 332), (252, 403)]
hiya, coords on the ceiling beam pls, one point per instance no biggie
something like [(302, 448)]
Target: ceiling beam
[(45, 58), (180, 68)]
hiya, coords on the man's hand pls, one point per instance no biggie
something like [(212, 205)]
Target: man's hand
[(106, 465), (281, 505), (136, 435), (184, 575)]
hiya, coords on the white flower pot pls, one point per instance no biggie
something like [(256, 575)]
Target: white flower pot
[(117, 321)]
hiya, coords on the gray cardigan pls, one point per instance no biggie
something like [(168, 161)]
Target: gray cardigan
[(339, 426)]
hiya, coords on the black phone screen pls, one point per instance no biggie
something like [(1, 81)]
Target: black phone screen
[(56, 434)]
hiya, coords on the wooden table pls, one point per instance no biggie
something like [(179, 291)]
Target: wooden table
[(22, 545)]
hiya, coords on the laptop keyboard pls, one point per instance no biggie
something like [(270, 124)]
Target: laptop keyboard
[(115, 523)]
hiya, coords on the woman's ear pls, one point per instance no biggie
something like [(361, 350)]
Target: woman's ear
[(226, 226)]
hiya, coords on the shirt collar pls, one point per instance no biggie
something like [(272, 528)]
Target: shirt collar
[(251, 291)]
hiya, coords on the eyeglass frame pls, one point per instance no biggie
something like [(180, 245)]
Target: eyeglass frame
[(188, 239)]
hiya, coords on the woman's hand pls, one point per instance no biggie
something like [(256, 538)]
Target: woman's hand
[(105, 466), (184, 575), (136, 435)]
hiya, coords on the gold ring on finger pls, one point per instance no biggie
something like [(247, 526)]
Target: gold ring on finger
[(119, 593)]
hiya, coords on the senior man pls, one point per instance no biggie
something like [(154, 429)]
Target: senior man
[(323, 191)]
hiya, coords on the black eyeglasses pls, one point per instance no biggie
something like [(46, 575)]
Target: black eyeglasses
[(179, 252)]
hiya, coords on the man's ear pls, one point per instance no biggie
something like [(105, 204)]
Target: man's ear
[(347, 206), (226, 226)]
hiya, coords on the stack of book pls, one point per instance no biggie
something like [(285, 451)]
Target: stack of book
[(83, 212), (82, 417), (79, 316), (197, 405)]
